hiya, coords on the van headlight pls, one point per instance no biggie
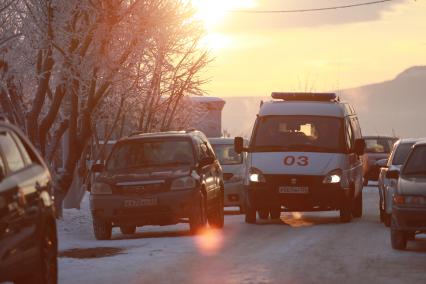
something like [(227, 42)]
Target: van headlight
[(256, 176), (334, 176), (101, 188), (187, 182)]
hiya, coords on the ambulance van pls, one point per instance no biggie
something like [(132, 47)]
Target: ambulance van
[(305, 154)]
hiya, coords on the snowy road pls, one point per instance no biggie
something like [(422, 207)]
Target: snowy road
[(304, 248)]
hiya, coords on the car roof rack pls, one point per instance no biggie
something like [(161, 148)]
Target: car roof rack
[(190, 130), (296, 96), (134, 133)]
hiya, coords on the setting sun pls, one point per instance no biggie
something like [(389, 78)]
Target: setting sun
[(213, 12)]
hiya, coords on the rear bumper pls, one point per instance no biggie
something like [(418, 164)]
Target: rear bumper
[(320, 197), (170, 207), (409, 218), (234, 192)]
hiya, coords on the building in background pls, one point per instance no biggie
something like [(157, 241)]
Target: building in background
[(209, 119)]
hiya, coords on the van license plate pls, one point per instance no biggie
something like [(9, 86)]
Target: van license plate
[(293, 189), (140, 202)]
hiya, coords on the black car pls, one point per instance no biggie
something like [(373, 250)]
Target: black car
[(158, 179), (28, 239), (409, 200)]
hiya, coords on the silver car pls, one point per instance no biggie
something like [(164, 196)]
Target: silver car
[(386, 184), (233, 170)]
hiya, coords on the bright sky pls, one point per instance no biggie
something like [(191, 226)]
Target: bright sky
[(316, 51)]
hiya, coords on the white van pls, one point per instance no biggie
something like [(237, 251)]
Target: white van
[(304, 155)]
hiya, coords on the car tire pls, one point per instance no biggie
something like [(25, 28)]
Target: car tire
[(365, 181), (242, 209), (411, 236), (381, 213), (217, 217), (128, 230), (346, 210), (386, 219), (398, 238), (357, 213), (275, 212), (263, 213), (102, 229), (198, 218), (250, 213), (47, 272)]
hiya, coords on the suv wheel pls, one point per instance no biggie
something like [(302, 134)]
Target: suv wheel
[(217, 217), (275, 212), (47, 272), (365, 181), (198, 218), (263, 213), (358, 206), (102, 229), (250, 213), (398, 238), (127, 230)]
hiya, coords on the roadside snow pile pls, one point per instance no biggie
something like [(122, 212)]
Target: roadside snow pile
[(77, 221)]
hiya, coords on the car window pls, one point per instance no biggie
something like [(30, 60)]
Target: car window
[(25, 155), (2, 169), (349, 136), (401, 153), (147, 153), (11, 152), (416, 162), (227, 155)]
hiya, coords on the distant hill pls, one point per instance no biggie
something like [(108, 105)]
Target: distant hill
[(396, 107)]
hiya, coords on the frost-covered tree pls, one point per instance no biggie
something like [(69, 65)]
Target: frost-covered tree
[(63, 63)]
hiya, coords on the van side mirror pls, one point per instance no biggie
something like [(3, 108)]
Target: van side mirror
[(97, 168), (206, 161), (238, 145), (359, 147), (394, 174)]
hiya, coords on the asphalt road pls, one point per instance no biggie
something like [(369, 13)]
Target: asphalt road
[(301, 248)]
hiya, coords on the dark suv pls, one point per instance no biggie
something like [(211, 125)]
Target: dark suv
[(28, 240), (158, 179)]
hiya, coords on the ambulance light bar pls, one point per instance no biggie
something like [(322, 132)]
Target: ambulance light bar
[(323, 97)]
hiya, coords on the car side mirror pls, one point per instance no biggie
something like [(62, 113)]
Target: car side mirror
[(206, 161), (359, 147), (97, 168), (238, 145), (392, 174), (382, 163)]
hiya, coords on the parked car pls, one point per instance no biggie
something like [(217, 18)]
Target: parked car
[(409, 200), (377, 148), (233, 165), (158, 179), (28, 239), (304, 155), (386, 185)]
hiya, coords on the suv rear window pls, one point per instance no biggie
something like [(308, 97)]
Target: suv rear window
[(147, 153), (378, 145), (226, 154)]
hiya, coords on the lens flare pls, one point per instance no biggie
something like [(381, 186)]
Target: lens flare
[(209, 241)]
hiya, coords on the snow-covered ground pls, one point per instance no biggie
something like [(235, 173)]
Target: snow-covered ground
[(304, 248)]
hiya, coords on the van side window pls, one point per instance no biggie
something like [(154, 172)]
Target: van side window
[(356, 128), (349, 135)]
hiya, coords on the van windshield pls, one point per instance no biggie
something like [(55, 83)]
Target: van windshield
[(298, 133), (416, 162), (146, 153)]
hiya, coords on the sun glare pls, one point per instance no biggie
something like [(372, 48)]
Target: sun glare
[(213, 12)]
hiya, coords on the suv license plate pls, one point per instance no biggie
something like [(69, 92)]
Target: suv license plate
[(140, 202), (293, 189)]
